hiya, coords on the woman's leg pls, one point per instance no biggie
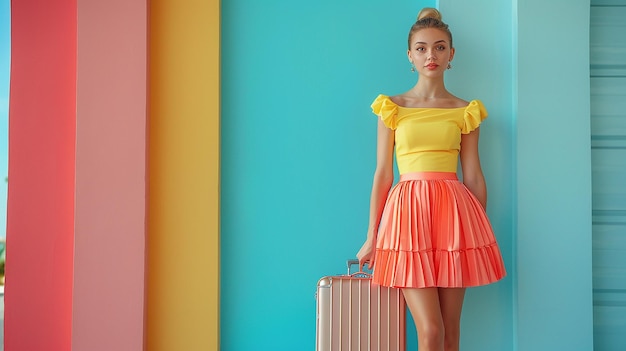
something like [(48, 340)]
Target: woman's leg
[(425, 308), (451, 302)]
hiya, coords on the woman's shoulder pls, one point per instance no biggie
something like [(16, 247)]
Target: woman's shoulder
[(458, 102)]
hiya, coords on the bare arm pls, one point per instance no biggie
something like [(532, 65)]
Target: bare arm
[(383, 176), (473, 177), (383, 179)]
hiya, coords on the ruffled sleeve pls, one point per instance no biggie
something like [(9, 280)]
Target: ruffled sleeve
[(475, 113), (387, 110)]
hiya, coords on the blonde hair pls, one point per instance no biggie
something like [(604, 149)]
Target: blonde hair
[(429, 17)]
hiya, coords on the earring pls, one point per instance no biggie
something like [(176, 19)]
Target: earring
[(412, 68), (449, 65)]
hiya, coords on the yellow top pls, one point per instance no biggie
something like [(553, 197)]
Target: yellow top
[(428, 139)]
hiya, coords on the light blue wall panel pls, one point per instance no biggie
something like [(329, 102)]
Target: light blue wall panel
[(298, 153), (554, 285)]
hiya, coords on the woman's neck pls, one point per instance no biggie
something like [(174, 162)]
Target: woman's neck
[(429, 89)]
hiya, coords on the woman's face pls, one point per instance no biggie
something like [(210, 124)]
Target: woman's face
[(430, 51)]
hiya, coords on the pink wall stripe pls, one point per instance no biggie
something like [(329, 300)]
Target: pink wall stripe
[(110, 176), (40, 216)]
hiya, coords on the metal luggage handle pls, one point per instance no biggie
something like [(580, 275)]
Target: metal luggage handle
[(360, 273)]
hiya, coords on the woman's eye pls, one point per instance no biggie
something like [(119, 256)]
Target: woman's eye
[(420, 49), (441, 47)]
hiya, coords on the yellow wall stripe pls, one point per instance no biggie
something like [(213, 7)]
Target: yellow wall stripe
[(183, 210)]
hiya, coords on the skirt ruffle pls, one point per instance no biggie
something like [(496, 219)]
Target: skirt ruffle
[(434, 233)]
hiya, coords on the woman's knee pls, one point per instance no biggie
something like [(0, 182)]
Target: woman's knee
[(437, 337), (451, 338), (431, 335)]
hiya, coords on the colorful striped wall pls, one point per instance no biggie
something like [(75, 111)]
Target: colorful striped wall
[(113, 195), (114, 168)]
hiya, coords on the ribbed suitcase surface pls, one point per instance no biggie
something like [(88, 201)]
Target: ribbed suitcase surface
[(354, 315)]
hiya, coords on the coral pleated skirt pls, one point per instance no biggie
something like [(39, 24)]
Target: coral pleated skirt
[(434, 233)]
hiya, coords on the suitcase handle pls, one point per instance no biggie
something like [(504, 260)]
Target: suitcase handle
[(360, 273)]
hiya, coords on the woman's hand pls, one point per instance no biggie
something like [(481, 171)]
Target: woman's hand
[(366, 254)]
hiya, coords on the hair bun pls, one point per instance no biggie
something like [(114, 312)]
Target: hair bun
[(429, 12)]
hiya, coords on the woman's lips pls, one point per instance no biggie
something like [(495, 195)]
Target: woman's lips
[(432, 65)]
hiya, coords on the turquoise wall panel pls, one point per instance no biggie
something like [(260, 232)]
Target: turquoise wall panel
[(298, 153)]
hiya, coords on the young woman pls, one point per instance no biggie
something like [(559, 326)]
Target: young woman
[(430, 235)]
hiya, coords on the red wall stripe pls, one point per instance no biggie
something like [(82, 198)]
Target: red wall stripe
[(40, 216)]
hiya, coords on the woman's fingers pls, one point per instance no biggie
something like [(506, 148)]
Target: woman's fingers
[(370, 264), (366, 255)]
